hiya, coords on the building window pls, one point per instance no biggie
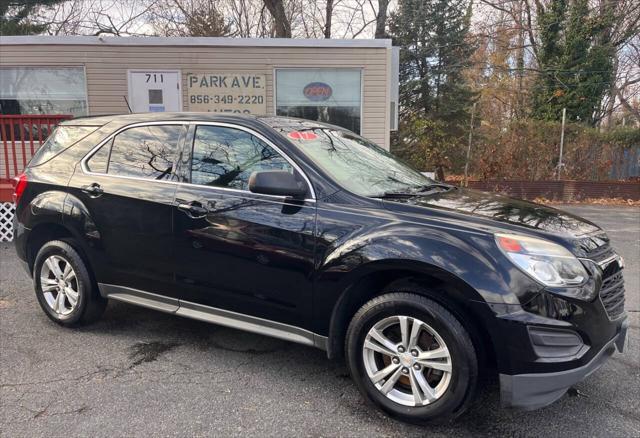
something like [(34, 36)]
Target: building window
[(43, 90), (331, 95)]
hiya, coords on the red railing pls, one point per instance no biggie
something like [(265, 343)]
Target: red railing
[(21, 136)]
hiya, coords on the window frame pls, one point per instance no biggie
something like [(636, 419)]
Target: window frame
[(185, 151), (360, 69), (109, 139)]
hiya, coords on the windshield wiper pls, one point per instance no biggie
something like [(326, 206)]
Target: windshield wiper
[(431, 186), (393, 194), (415, 191)]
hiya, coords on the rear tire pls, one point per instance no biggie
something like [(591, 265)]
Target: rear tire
[(63, 286), (429, 376)]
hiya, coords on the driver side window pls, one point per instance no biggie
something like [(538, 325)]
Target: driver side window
[(226, 157)]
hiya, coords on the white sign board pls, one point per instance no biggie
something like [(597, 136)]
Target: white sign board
[(244, 93)]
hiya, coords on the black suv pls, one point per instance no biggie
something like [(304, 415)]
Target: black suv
[(310, 233)]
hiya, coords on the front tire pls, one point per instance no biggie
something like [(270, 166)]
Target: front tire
[(63, 286), (412, 358)]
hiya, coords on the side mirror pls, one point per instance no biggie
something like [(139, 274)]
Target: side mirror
[(277, 182)]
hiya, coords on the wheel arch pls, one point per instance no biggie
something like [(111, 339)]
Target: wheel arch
[(41, 234), (58, 216), (415, 277)]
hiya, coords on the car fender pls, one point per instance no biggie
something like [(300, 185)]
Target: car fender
[(467, 261)]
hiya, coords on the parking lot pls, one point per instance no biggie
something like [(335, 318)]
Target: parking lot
[(140, 372)]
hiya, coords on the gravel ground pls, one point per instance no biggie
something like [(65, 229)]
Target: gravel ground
[(138, 373)]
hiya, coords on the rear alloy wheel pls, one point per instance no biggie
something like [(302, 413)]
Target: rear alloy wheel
[(407, 360), (59, 285), (63, 285), (411, 357)]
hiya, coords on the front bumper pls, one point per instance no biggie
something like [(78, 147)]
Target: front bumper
[(536, 390)]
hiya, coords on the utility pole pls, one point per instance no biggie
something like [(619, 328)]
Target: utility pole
[(564, 117), (466, 164)]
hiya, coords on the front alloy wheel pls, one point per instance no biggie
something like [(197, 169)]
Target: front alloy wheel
[(407, 361), (411, 357)]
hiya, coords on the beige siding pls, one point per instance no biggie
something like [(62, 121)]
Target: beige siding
[(107, 65)]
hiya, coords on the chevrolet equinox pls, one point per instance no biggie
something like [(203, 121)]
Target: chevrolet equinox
[(310, 233)]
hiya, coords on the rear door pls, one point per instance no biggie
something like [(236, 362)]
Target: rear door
[(237, 250), (128, 185)]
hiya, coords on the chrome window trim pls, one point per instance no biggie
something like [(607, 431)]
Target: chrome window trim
[(87, 157)]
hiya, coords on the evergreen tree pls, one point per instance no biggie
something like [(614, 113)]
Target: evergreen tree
[(15, 16), (575, 58), (434, 96), (435, 52)]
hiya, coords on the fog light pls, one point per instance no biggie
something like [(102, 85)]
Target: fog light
[(551, 343)]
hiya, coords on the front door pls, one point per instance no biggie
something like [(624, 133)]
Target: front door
[(154, 91), (237, 250), (128, 186)]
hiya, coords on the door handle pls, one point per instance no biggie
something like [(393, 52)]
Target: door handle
[(93, 190), (194, 209)]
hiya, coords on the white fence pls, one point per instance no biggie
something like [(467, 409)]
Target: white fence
[(7, 209)]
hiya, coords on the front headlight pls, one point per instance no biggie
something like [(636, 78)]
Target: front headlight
[(547, 262)]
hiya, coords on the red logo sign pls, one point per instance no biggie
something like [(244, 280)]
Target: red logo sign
[(302, 135), (317, 91)]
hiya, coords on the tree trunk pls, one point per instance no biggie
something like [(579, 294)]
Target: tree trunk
[(327, 20), (381, 19), (520, 103), (282, 25)]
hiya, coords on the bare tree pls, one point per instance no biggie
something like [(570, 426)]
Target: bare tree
[(190, 18), (281, 22), (381, 19), (327, 20), (97, 17)]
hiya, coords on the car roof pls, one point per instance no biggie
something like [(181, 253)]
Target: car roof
[(154, 117), (126, 119)]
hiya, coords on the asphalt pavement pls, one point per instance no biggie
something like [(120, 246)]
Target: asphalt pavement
[(143, 373)]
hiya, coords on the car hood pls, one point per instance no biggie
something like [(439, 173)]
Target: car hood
[(487, 206)]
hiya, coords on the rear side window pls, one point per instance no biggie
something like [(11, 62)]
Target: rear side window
[(60, 139), (143, 152), (99, 160)]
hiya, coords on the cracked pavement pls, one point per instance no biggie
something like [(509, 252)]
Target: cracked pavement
[(138, 373)]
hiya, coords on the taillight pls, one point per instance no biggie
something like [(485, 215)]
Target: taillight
[(19, 185)]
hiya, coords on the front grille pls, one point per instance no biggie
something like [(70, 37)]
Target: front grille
[(598, 248), (612, 294)]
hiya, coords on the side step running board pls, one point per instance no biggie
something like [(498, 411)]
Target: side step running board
[(213, 315)]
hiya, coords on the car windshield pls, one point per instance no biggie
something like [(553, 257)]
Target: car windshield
[(357, 164)]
